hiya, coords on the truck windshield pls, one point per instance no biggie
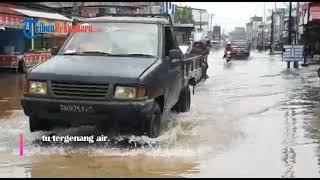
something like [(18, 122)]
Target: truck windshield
[(115, 39)]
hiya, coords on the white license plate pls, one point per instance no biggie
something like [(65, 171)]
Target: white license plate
[(75, 108)]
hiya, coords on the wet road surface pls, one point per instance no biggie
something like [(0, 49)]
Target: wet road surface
[(251, 118)]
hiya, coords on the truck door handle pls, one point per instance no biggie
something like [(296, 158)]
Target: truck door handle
[(175, 61)]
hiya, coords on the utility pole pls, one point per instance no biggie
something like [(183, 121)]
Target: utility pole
[(290, 26), (210, 24), (271, 38), (200, 21), (150, 7), (289, 31), (75, 9), (264, 24), (297, 21)]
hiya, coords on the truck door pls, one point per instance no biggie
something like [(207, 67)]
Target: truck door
[(174, 69)]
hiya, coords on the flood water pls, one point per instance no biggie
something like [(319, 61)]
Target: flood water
[(251, 118)]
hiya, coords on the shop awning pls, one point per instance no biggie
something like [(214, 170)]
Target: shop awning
[(314, 11), (13, 17), (9, 12), (38, 14)]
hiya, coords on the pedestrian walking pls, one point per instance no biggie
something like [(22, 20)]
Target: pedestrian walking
[(206, 51)]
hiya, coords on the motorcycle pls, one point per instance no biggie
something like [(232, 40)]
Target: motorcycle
[(228, 56)]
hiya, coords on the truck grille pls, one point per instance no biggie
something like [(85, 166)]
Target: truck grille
[(79, 90)]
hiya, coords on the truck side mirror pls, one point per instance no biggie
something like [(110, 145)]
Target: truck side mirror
[(175, 54)]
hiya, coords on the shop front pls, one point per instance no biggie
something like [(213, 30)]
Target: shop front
[(19, 52)]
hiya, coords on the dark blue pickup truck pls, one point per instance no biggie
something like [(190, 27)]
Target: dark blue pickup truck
[(126, 76)]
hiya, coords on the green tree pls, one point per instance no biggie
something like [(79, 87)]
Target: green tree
[(184, 15)]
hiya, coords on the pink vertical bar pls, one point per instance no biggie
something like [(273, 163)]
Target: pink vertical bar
[(21, 144)]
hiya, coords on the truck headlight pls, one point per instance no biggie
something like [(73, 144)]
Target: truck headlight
[(129, 92), (36, 87)]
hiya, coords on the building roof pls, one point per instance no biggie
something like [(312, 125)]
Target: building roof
[(38, 14), (128, 19)]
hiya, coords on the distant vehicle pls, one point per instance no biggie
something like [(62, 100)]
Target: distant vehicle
[(241, 49)]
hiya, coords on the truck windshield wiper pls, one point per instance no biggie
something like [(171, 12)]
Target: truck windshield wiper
[(88, 52), (107, 54), (132, 55)]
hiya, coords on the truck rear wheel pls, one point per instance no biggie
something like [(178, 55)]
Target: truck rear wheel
[(153, 123), (184, 102), (37, 124)]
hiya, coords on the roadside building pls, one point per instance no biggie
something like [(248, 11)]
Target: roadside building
[(310, 26), (260, 38), (94, 9), (253, 30), (201, 20), (13, 42), (217, 35), (249, 32)]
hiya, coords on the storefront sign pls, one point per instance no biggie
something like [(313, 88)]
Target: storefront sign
[(34, 59), (11, 21), (292, 53), (12, 61), (9, 61)]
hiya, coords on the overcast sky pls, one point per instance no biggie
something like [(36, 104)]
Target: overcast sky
[(233, 14)]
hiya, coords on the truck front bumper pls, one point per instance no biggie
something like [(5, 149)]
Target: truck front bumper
[(124, 113)]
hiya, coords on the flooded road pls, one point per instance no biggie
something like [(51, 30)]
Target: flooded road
[(251, 118)]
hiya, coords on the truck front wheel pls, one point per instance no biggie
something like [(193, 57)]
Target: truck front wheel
[(153, 122), (183, 104)]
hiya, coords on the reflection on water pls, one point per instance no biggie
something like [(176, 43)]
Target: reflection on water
[(11, 86), (109, 166), (302, 123)]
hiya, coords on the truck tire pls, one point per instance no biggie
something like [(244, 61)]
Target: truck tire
[(37, 124), (22, 68), (153, 122), (183, 104)]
